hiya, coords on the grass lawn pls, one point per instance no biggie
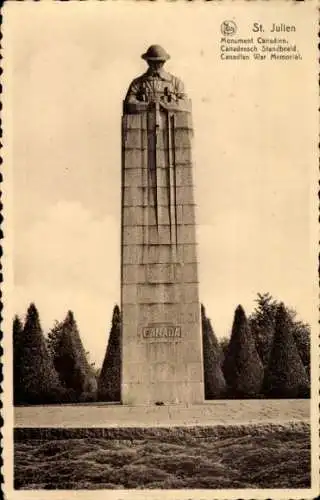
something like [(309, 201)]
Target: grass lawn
[(238, 456)]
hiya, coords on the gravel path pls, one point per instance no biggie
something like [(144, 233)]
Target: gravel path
[(210, 413)]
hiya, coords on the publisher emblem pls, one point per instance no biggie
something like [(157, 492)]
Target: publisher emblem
[(228, 28)]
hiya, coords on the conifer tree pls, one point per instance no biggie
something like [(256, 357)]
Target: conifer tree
[(70, 359), (214, 382), (35, 379), (262, 324), (18, 394), (301, 333), (242, 367), (223, 345), (285, 376), (54, 336), (110, 375)]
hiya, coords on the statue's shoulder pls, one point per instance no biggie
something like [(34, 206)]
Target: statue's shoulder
[(175, 77), (165, 75), (176, 82), (139, 79)]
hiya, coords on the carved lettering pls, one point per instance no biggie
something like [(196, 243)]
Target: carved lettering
[(161, 332)]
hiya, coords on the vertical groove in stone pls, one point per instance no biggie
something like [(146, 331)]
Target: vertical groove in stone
[(169, 173), (157, 135), (144, 164), (172, 145), (152, 160)]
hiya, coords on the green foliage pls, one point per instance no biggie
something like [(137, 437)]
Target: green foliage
[(35, 379), (285, 376), (110, 376), (70, 359), (262, 323), (242, 367), (214, 382)]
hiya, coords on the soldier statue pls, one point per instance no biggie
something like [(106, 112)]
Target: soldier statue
[(155, 85)]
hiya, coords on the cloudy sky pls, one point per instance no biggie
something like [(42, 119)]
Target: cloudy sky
[(69, 66)]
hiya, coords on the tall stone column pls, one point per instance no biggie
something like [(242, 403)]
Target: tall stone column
[(161, 335)]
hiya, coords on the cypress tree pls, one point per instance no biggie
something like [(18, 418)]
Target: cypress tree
[(302, 335), (285, 376), (18, 394), (54, 336), (70, 360), (262, 325), (214, 382), (242, 367), (110, 376), (35, 379), (223, 345)]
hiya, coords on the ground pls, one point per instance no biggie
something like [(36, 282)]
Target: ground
[(233, 456), (220, 444), (210, 413)]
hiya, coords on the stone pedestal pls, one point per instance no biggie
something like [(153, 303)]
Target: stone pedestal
[(161, 335)]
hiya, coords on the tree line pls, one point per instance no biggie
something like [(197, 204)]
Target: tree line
[(55, 369), (267, 355)]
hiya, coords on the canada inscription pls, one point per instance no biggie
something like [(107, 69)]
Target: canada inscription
[(166, 332)]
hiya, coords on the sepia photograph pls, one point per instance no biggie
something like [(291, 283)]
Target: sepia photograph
[(160, 250)]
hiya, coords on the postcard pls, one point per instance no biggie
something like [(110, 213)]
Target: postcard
[(160, 209)]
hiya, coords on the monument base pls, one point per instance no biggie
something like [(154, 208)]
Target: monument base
[(164, 394)]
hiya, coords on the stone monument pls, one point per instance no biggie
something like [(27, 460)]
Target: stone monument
[(161, 335)]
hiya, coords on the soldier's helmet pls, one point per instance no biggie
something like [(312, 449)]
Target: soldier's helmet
[(155, 53)]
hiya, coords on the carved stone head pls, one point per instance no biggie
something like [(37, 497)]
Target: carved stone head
[(155, 56)]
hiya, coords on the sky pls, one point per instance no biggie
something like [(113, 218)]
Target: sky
[(68, 68)]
